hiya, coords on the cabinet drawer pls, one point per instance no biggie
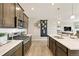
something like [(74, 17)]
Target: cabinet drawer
[(61, 46)]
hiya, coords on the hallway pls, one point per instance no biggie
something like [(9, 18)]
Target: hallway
[(39, 48)]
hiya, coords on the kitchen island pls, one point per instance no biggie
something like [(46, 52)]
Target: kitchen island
[(12, 48), (64, 46)]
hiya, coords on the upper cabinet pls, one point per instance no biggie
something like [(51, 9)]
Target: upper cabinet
[(19, 15), (8, 14), (1, 15), (25, 21), (12, 15), (19, 12)]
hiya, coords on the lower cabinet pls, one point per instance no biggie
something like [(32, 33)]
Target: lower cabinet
[(16, 51), (52, 45), (26, 47), (61, 50), (57, 48)]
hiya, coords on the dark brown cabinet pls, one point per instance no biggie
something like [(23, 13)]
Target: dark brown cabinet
[(26, 47), (19, 14), (57, 48), (26, 21), (12, 16), (52, 45), (1, 21), (8, 14), (18, 52), (61, 50)]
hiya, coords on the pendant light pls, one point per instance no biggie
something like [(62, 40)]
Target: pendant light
[(72, 16), (59, 31), (58, 16)]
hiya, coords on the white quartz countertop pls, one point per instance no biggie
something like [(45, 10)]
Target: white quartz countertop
[(8, 46), (71, 44)]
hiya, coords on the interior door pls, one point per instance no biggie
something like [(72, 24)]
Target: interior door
[(43, 29)]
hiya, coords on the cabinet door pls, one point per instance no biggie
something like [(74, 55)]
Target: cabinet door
[(60, 52), (8, 14), (19, 13), (1, 15), (25, 21), (27, 47), (52, 45), (18, 52)]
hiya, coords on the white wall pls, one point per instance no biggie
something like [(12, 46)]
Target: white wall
[(68, 23), (52, 26), (36, 31), (32, 29)]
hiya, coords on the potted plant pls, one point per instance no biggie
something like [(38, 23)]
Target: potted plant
[(3, 38)]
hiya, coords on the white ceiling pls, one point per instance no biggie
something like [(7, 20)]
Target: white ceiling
[(47, 11)]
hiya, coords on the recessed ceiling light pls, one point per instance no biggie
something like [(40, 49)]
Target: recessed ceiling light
[(17, 8), (52, 4), (72, 17), (32, 8)]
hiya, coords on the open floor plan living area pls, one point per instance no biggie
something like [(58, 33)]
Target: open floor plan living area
[(39, 29)]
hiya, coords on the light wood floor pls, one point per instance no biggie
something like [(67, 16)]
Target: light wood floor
[(39, 48)]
